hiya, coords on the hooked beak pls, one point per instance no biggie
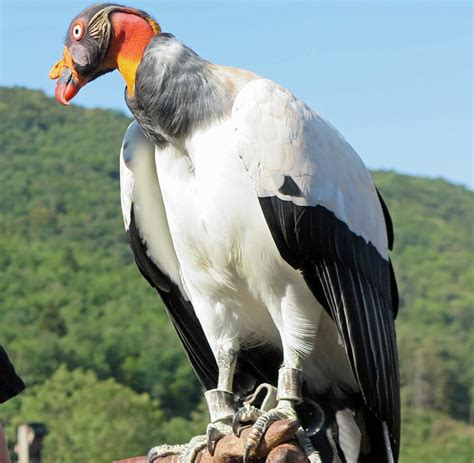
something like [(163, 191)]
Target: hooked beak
[(66, 87), (69, 82)]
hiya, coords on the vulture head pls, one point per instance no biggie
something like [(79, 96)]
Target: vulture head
[(100, 39)]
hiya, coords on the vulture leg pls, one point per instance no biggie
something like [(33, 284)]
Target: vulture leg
[(220, 401), (221, 405), (297, 317)]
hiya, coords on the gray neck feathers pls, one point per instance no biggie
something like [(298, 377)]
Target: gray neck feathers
[(175, 91)]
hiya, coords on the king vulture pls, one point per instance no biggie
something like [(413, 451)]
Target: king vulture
[(262, 231)]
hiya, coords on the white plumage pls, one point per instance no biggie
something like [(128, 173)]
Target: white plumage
[(196, 207), (241, 288), (277, 135)]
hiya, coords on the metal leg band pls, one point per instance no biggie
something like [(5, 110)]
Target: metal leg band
[(290, 383), (220, 403)]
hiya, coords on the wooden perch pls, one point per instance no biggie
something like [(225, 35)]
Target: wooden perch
[(277, 446)]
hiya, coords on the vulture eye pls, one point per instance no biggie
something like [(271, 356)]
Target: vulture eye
[(77, 32)]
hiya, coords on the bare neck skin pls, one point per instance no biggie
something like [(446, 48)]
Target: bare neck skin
[(131, 35)]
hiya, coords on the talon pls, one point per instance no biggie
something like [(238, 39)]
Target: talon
[(236, 422), (245, 413), (253, 441), (255, 436), (187, 452), (210, 443), (164, 450), (213, 435), (245, 456), (211, 447)]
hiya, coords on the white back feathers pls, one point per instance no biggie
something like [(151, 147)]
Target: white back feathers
[(293, 153)]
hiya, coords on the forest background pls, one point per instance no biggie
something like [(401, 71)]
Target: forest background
[(104, 368)]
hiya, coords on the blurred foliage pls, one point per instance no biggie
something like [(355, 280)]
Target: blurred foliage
[(69, 284), (89, 420), (87, 333), (433, 263), (430, 436)]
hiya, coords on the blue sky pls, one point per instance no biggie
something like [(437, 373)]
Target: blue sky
[(395, 78)]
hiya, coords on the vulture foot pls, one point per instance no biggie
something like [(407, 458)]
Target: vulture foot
[(188, 452), (284, 410), (216, 431), (250, 413), (245, 414)]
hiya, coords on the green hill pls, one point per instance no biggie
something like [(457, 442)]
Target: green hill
[(91, 340)]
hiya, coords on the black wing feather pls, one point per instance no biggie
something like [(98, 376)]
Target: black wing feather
[(388, 221), (10, 383), (357, 288)]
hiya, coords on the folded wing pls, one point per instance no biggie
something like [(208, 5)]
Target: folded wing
[(327, 220)]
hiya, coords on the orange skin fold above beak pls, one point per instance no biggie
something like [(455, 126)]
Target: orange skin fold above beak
[(69, 82)]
